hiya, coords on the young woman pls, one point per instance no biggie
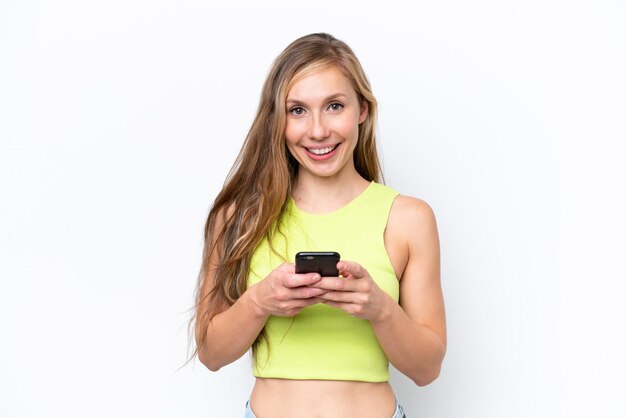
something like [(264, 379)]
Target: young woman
[(306, 180)]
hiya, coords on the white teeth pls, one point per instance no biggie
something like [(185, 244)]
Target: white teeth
[(321, 151)]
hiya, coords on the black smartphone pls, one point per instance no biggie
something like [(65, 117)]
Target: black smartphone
[(322, 262)]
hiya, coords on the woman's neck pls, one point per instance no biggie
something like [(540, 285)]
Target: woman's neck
[(326, 194)]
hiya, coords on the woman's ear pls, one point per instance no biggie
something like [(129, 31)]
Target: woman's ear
[(364, 112)]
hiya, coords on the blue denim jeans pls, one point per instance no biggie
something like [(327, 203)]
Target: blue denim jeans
[(398, 414)]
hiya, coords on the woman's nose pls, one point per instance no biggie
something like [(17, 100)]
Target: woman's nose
[(318, 128)]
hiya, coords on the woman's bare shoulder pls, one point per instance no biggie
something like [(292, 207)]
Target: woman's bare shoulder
[(410, 213), (411, 230)]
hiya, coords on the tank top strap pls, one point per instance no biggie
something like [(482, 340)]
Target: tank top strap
[(373, 206)]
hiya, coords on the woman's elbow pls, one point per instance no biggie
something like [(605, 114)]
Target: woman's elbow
[(427, 377), (208, 361), (431, 368), (429, 372)]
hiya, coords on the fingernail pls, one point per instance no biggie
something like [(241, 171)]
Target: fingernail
[(317, 277)]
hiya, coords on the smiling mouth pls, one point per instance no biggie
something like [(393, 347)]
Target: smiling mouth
[(322, 151)]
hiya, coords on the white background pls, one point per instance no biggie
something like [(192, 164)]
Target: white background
[(120, 119)]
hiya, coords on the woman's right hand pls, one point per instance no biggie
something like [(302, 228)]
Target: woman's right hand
[(285, 293)]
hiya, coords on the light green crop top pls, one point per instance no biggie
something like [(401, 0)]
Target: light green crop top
[(322, 342)]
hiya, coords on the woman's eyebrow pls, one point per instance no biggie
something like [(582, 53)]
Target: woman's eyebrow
[(334, 96)]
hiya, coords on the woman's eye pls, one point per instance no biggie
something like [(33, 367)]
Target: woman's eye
[(335, 106), (296, 111)]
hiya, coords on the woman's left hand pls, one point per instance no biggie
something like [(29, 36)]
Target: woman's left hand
[(355, 292)]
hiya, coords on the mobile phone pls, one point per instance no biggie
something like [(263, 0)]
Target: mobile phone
[(322, 262)]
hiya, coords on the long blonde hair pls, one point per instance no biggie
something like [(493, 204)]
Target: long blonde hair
[(254, 196)]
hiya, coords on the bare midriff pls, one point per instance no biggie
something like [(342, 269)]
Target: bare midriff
[(286, 398)]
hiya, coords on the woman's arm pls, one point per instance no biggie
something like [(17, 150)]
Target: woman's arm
[(413, 332), (231, 333), (233, 330)]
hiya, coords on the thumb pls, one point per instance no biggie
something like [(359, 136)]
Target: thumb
[(350, 269)]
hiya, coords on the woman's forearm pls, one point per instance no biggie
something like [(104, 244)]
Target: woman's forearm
[(413, 349), (232, 332)]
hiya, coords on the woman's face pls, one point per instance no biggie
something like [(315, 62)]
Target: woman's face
[(323, 117)]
